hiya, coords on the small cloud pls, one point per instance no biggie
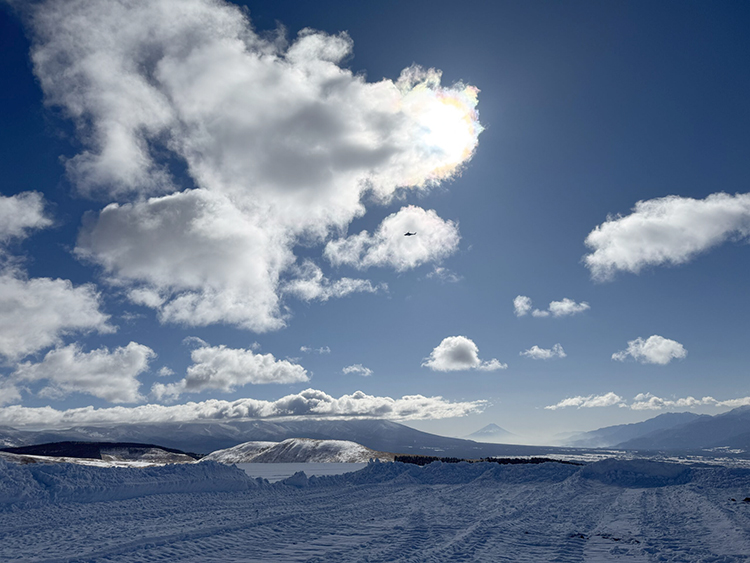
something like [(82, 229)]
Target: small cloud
[(566, 307), (435, 240), (521, 305), (20, 214), (539, 314), (309, 284), (358, 369), (537, 353), (444, 275), (589, 401), (165, 372), (194, 341), (654, 350), (9, 394), (458, 353), (321, 350)]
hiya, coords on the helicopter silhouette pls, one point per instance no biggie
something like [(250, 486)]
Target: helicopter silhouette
[(408, 234)]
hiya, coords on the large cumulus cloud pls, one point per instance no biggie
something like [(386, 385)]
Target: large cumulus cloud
[(281, 145), (668, 230)]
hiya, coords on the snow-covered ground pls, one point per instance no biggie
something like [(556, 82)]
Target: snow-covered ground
[(612, 510)]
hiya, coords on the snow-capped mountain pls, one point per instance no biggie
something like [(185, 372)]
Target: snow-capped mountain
[(492, 433), (298, 450)]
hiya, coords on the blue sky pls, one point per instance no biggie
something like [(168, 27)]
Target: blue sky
[(170, 171)]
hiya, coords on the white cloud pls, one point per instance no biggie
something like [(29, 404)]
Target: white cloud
[(225, 369), (283, 144), (359, 369), (537, 353), (668, 230), (9, 393), (589, 401), (21, 213), (308, 403), (435, 239), (194, 257), (108, 375), (38, 312), (646, 401), (444, 274), (321, 350), (458, 353), (521, 305), (165, 371), (566, 307), (654, 350), (310, 284)]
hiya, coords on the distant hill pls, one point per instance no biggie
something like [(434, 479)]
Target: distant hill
[(729, 430), (491, 433), (106, 451), (298, 450), (206, 437), (611, 436)]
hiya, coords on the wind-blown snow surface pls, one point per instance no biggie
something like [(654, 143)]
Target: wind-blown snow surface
[(633, 510), (298, 450)]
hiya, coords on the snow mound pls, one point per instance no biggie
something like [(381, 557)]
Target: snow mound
[(637, 473), (299, 450), (65, 482)]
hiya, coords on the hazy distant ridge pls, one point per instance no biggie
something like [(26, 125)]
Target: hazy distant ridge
[(611, 436)]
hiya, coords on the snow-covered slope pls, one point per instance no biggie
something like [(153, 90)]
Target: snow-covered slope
[(243, 453), (298, 450)]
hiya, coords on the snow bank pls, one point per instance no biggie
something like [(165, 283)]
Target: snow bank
[(63, 482), (437, 473), (637, 473)]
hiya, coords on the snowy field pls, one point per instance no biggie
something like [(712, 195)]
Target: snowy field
[(632, 510)]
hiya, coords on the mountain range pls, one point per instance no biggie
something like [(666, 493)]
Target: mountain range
[(209, 436), (673, 431)]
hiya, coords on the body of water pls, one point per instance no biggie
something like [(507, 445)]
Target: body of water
[(278, 471)]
